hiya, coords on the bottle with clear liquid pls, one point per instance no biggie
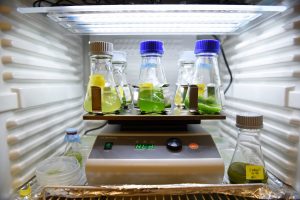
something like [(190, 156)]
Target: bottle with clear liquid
[(247, 164), (185, 72), (119, 65), (152, 78), (102, 77), (73, 144), (206, 77)]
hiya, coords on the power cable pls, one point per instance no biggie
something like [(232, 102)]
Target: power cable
[(93, 129), (227, 66)]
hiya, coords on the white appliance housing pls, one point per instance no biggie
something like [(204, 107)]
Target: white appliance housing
[(123, 157), (42, 88)]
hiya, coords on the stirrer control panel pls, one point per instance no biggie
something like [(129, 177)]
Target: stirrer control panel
[(154, 147)]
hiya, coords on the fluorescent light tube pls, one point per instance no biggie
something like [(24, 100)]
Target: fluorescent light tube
[(158, 19)]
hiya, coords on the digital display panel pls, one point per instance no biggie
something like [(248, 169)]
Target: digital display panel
[(144, 146)]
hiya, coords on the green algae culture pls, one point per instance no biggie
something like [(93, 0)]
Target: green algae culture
[(241, 173), (206, 105), (76, 155), (151, 99)]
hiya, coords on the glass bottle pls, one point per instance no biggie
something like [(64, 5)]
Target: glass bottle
[(186, 66), (102, 77), (207, 77), (73, 144), (25, 192), (152, 78), (247, 164), (118, 66)]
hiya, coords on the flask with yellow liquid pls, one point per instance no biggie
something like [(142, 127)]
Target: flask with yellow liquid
[(206, 77), (152, 78), (25, 192), (101, 78)]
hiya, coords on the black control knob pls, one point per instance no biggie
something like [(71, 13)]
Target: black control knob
[(174, 144)]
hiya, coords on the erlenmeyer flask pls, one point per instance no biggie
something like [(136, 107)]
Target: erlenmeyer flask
[(247, 164), (185, 72), (101, 79), (119, 65), (206, 77), (152, 78)]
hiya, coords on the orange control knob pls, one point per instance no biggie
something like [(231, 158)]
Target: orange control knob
[(193, 146)]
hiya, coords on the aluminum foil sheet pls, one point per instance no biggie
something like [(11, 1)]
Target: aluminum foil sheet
[(161, 192)]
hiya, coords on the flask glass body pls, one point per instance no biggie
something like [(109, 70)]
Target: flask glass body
[(185, 74), (122, 85), (101, 76), (206, 77), (151, 82), (73, 147), (247, 164)]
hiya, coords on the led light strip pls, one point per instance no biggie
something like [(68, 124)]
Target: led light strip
[(155, 31), (99, 26), (158, 19), (174, 16), (153, 8)]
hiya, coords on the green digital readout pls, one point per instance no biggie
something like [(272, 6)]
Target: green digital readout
[(144, 146)]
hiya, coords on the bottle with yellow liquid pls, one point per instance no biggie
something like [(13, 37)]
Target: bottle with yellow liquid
[(152, 78), (101, 77), (185, 72), (206, 77), (119, 64), (25, 192)]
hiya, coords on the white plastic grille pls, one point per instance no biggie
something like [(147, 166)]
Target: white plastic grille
[(41, 94), (266, 68)]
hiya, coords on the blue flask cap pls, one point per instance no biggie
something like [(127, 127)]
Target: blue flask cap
[(71, 135), (152, 46), (71, 131), (207, 46)]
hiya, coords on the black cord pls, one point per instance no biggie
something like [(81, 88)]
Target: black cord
[(85, 2), (40, 3), (93, 129), (62, 3), (227, 66), (229, 70)]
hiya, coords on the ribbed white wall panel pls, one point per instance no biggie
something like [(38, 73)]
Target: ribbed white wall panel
[(266, 69), (9, 101), (41, 94)]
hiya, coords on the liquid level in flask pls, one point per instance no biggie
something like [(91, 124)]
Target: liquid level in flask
[(151, 100), (110, 101)]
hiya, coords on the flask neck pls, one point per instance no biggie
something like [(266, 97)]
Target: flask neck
[(72, 143), (252, 135), (69, 138), (152, 60), (185, 73), (119, 73), (206, 54), (207, 60), (207, 70), (118, 67), (187, 66), (100, 64), (249, 131), (151, 70)]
